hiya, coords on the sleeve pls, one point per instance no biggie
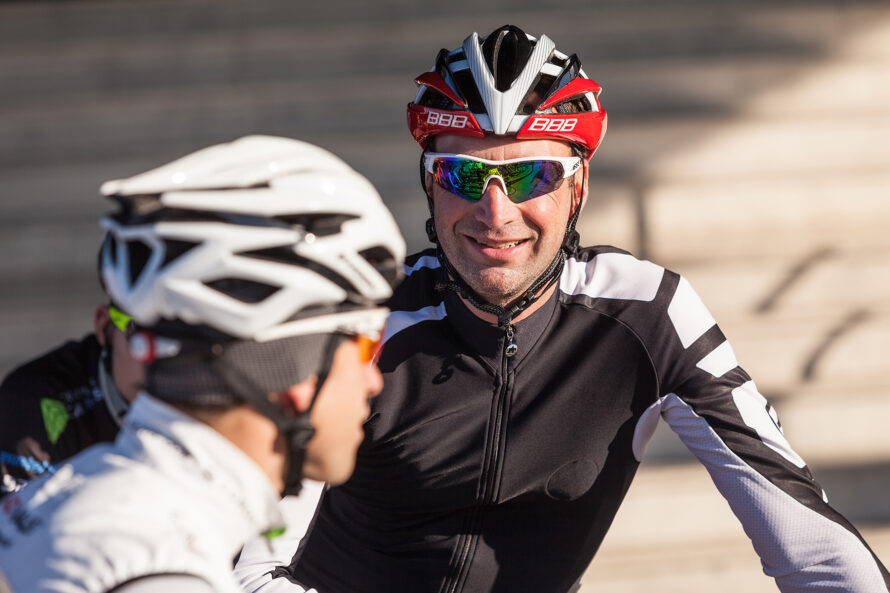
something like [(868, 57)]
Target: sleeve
[(23, 437), (719, 414), (261, 567)]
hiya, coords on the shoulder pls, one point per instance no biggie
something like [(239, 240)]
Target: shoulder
[(68, 367), (643, 295), (51, 408), (107, 508), (605, 272), (418, 289)]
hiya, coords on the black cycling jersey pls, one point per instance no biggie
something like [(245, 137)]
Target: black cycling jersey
[(495, 459), (51, 408)]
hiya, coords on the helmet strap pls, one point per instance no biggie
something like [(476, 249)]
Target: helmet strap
[(548, 278), (296, 428)]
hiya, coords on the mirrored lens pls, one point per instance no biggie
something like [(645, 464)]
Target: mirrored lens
[(461, 177), (530, 179), (368, 347), (524, 180)]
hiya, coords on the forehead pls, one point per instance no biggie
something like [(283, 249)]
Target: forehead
[(501, 147)]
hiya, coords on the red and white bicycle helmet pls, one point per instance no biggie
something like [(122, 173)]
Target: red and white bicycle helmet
[(508, 83)]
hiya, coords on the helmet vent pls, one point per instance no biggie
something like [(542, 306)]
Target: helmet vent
[(384, 262), (506, 52), (138, 254), (287, 255), (319, 224), (112, 249), (246, 291), (466, 84), (174, 248)]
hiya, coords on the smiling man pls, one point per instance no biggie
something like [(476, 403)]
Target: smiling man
[(524, 375)]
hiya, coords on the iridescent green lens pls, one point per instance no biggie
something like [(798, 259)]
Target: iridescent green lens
[(121, 320), (524, 180)]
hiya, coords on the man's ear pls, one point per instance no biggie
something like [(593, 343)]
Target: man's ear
[(101, 320), (581, 183), (300, 395), (428, 183)]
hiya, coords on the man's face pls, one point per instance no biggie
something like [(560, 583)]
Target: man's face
[(128, 373), (338, 415), (500, 248)]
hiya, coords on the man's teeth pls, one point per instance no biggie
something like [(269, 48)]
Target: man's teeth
[(501, 245)]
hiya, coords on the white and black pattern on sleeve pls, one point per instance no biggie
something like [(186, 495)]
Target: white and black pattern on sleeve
[(415, 300), (716, 409), (719, 414), (802, 549)]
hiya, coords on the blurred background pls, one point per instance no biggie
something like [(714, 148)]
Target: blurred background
[(748, 149)]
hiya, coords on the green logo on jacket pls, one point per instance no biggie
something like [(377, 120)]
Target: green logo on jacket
[(55, 418)]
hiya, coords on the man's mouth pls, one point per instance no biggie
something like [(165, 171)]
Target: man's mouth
[(498, 244)]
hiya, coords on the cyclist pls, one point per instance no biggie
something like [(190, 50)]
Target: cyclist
[(524, 375), (66, 400), (255, 271)]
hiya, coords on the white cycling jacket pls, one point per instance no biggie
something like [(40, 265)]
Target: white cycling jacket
[(169, 497)]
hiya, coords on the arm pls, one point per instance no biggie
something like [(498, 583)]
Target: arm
[(718, 413), (23, 438), (261, 556)]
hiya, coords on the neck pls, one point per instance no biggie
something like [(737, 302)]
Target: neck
[(250, 431), (493, 319)]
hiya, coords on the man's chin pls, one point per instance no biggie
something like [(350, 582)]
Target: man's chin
[(497, 287)]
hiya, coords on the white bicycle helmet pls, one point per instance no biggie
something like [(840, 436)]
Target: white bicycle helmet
[(248, 263), (248, 237)]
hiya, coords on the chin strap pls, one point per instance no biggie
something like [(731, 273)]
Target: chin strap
[(295, 427), (548, 278), (505, 315)]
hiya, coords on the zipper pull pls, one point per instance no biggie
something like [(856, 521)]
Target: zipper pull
[(511, 349)]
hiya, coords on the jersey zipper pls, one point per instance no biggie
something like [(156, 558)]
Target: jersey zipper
[(458, 572)]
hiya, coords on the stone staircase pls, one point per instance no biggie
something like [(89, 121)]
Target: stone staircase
[(777, 214), (747, 149)]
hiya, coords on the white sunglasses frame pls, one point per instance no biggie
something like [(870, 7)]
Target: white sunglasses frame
[(569, 164)]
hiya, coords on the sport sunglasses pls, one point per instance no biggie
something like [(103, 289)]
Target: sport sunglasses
[(524, 178), (369, 346), (122, 321)]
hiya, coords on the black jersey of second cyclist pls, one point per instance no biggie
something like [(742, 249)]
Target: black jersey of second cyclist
[(51, 408), (487, 472)]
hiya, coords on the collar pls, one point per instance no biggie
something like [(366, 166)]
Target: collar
[(487, 339), (234, 488)]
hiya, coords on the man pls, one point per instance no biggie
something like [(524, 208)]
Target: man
[(62, 402), (524, 375), (255, 271)]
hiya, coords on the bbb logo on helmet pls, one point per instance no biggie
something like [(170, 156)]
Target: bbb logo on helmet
[(547, 124), (446, 120)]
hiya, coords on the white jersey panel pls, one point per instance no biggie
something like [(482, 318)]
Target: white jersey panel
[(759, 415), (689, 315), (402, 320), (720, 361), (612, 276)]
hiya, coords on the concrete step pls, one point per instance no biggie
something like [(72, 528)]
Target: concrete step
[(727, 24)]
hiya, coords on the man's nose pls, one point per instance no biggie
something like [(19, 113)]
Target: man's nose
[(494, 207), (373, 379)]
